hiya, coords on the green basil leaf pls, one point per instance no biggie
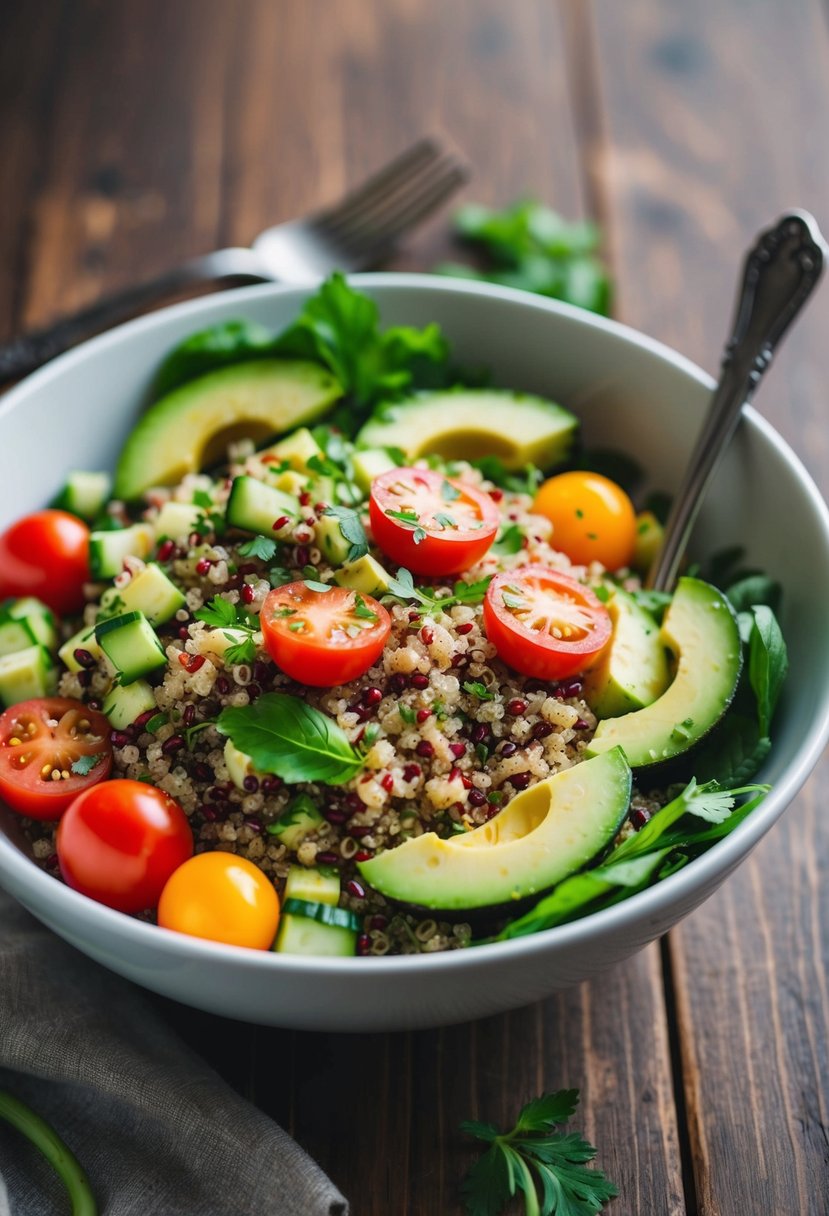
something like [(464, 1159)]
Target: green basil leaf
[(286, 736)]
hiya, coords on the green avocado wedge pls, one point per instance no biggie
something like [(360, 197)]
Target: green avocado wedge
[(465, 424), (633, 669), (190, 428), (544, 834), (700, 629)]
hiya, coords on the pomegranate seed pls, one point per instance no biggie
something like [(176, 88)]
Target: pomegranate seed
[(302, 555), (119, 738), (83, 657), (251, 784), (335, 816), (363, 944), (520, 781), (362, 855), (184, 633), (358, 831), (172, 744), (477, 798), (457, 750), (466, 627), (203, 565), (222, 686), (197, 661), (328, 858), (414, 615), (419, 680), (423, 714), (516, 707), (208, 813), (496, 495), (203, 772), (354, 802), (142, 719), (372, 696), (84, 678), (319, 507), (580, 724), (305, 499), (254, 691), (541, 730), (279, 524), (397, 683), (573, 688), (255, 825), (52, 861), (270, 785), (639, 817), (248, 593), (356, 889), (425, 749), (509, 748), (480, 733), (427, 635), (387, 782), (165, 550), (261, 672), (378, 922), (460, 660), (411, 772)]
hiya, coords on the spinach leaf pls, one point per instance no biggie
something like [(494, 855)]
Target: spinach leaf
[(210, 349), (754, 589), (768, 663), (286, 736), (735, 753)]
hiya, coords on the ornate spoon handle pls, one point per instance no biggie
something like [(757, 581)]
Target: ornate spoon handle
[(779, 275)]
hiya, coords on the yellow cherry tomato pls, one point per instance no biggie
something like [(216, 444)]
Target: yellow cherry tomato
[(593, 519), (221, 897)]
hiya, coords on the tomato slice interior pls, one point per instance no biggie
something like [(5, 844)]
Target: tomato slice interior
[(420, 499), (560, 615), (323, 637)]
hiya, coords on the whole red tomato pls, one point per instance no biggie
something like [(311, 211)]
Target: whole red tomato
[(46, 555), (120, 841)]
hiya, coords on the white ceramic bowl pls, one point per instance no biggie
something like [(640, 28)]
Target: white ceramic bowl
[(632, 394)]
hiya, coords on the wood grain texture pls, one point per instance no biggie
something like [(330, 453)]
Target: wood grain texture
[(707, 139)]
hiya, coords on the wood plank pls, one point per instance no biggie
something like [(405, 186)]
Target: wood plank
[(708, 117)]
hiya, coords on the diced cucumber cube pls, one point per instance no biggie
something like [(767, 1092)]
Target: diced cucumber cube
[(293, 825), (84, 493), (301, 934), (313, 886), (107, 550), (297, 449), (15, 635), (40, 619), (131, 644), (255, 507), (124, 703), (26, 674), (176, 520), (150, 591), (369, 464), (366, 575), (334, 546), (84, 639)]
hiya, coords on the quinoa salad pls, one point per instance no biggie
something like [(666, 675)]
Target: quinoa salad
[(365, 669)]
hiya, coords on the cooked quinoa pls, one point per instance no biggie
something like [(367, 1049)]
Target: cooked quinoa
[(440, 755)]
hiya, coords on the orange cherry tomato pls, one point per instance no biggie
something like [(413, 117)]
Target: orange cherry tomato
[(593, 519), (46, 555), (223, 898), (323, 637), (46, 736), (544, 623), (429, 523), (120, 841)]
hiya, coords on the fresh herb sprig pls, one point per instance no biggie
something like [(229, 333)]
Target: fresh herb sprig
[(351, 530), (286, 736), (545, 1165), (221, 614), (263, 547), (403, 588)]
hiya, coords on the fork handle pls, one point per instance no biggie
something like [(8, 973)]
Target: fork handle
[(22, 355)]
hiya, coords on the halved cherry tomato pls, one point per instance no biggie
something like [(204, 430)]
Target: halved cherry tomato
[(46, 555), (593, 519), (323, 637), (51, 749), (223, 898), (430, 524), (544, 623), (120, 841)]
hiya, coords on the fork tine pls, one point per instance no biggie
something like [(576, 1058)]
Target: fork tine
[(383, 227), (399, 171)]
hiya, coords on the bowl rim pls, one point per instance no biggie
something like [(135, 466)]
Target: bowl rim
[(71, 908)]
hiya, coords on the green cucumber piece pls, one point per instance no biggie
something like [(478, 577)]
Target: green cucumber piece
[(26, 674), (40, 619), (84, 639), (131, 644), (107, 550), (84, 494), (255, 507), (316, 929), (150, 591), (313, 886), (124, 703), (341, 918), (15, 636), (176, 520)]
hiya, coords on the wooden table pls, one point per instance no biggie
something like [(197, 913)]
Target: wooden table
[(137, 132)]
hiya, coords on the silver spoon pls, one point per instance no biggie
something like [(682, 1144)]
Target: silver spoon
[(779, 275)]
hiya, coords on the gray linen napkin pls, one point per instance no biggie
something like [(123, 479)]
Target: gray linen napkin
[(157, 1131)]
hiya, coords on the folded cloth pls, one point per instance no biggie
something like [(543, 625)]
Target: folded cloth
[(157, 1131)]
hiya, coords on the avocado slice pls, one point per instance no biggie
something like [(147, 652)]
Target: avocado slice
[(545, 833), (465, 424), (700, 629), (191, 427), (633, 669)]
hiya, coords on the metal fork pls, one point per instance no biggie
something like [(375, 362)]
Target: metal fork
[(353, 234)]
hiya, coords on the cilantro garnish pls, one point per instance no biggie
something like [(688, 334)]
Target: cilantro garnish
[(510, 540), (85, 764), (221, 614), (314, 585), (545, 1165), (362, 610), (403, 587), (352, 530), (476, 689), (263, 547)]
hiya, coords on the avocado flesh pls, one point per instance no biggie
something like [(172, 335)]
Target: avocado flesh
[(191, 427), (544, 834), (700, 628), (633, 670), (465, 425)]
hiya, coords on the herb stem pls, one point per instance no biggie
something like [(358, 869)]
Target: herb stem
[(49, 1143)]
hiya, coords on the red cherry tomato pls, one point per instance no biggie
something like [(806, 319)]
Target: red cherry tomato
[(545, 624), (51, 749), (430, 524), (223, 898), (323, 637), (46, 555), (120, 841)]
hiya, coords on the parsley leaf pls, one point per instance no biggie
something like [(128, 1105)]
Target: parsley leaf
[(218, 612), (352, 530), (403, 588), (85, 764), (263, 547), (534, 1156), (362, 610), (476, 689), (232, 619), (284, 735), (210, 349), (510, 540), (517, 481), (240, 652)]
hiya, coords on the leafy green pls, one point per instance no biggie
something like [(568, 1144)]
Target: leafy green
[(510, 540), (284, 735), (85, 764), (339, 327), (403, 588), (210, 349), (221, 614), (548, 1167), (351, 530), (526, 245), (263, 547), (754, 589), (476, 689), (768, 663), (517, 481)]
